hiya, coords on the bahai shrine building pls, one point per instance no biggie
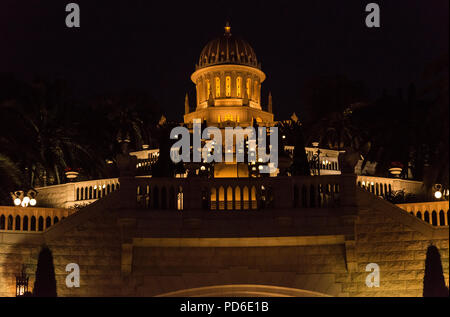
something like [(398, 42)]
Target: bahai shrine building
[(230, 234)]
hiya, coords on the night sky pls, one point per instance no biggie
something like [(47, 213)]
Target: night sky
[(154, 45)]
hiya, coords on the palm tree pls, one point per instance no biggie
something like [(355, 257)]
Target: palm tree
[(40, 135), (10, 179)]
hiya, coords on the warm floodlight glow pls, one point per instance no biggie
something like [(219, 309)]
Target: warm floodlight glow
[(32, 202), (17, 201), (437, 194)]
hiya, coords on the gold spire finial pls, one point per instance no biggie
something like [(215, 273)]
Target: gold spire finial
[(227, 29)]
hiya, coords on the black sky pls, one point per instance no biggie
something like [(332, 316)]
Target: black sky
[(154, 45)]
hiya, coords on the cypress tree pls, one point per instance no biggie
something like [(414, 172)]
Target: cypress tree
[(433, 281), (45, 283)]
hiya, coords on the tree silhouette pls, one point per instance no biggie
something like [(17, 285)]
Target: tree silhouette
[(45, 283), (433, 281)]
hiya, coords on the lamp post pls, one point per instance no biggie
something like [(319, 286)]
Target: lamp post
[(21, 284), (20, 199), (316, 157)]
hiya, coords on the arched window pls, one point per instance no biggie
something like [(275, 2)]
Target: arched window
[(199, 91), (217, 87), (255, 90), (239, 86), (25, 223), (247, 87), (208, 88), (17, 226), (55, 220), (419, 215), (228, 86), (2, 222)]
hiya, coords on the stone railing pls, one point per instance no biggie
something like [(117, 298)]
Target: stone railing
[(434, 213), (384, 187), (240, 193), (75, 194), (31, 219)]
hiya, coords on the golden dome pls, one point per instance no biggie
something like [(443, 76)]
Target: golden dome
[(227, 49)]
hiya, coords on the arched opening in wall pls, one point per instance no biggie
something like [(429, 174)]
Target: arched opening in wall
[(441, 218), (156, 197), (41, 224), (164, 198), (245, 198), (221, 198), (243, 290), (17, 225), (213, 198), (419, 215), (295, 202), (2, 222), (48, 222), (90, 195), (10, 222), (253, 198), (55, 220), (180, 198), (426, 216), (385, 190), (229, 198), (312, 196), (78, 193), (434, 218), (205, 199), (172, 198), (108, 189), (33, 223), (237, 198), (25, 223)]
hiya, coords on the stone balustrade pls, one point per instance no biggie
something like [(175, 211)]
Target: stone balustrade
[(239, 193), (76, 194), (434, 213), (384, 187), (31, 219)]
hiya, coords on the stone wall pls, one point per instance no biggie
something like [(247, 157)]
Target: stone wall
[(111, 245)]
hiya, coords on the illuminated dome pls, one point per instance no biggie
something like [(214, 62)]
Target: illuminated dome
[(227, 49)]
